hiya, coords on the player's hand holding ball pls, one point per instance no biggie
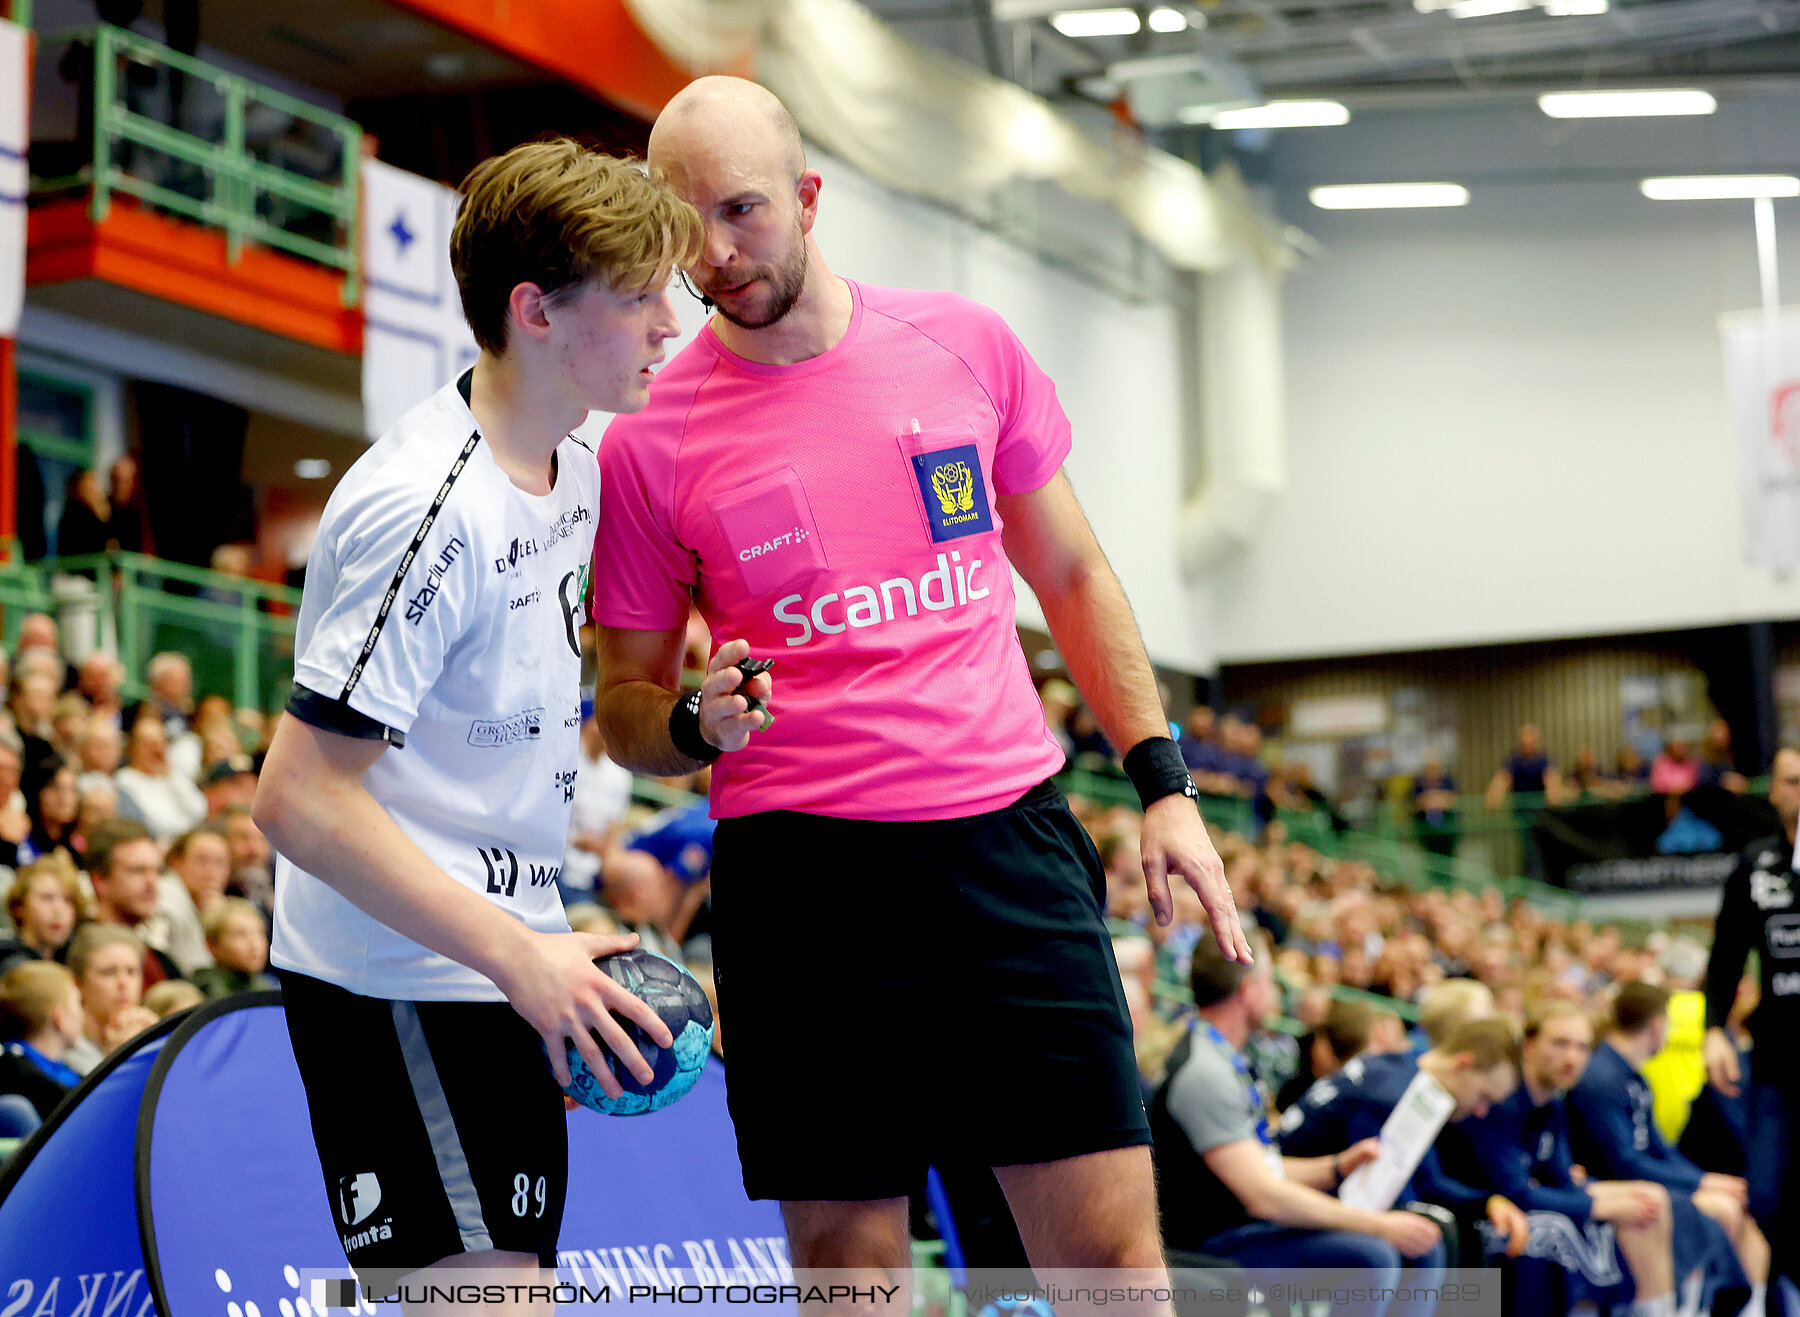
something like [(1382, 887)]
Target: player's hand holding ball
[(680, 1003), (727, 717), (562, 993)]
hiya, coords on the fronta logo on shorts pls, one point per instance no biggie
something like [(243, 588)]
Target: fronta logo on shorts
[(490, 735), (358, 1197), (434, 576), (956, 501)]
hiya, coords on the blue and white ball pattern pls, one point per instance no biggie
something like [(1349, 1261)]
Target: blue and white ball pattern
[(675, 995)]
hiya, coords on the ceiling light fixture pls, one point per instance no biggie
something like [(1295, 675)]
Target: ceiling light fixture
[(1096, 22), (1720, 187), (1284, 114), (1575, 8), (1165, 19), (1626, 104), (1388, 196), (312, 468), (1486, 8)]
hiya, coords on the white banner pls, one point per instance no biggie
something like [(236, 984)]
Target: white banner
[(415, 339), (1762, 381), (15, 137)]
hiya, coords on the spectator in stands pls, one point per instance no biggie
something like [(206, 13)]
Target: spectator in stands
[(643, 896), (1448, 1006), (1520, 1150), (252, 859), (41, 1018), (1092, 749), (238, 940), (43, 903), (1059, 699), (107, 961), (1342, 1036), (15, 822), (99, 750), (67, 717), (125, 529), (1434, 808), (1527, 773), (1630, 774), (1477, 1067), (1293, 788), (37, 631), (81, 530), (170, 678), (149, 788), (52, 802), (199, 870), (226, 782), (597, 815), (99, 802), (99, 680), (124, 865), (1613, 1132), (1675, 771), (32, 704), (1199, 741), (1585, 778), (170, 996), (1717, 763), (1225, 1188)]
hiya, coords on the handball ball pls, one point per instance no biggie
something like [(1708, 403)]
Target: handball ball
[(675, 995)]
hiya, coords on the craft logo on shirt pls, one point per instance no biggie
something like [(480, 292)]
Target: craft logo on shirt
[(956, 501), (434, 576), (774, 542), (1784, 936)]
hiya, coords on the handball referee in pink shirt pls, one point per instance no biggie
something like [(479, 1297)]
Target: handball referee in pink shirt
[(908, 932)]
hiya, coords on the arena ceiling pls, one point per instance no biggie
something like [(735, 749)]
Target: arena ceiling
[(1364, 52)]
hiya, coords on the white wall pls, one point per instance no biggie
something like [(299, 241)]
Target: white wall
[(1508, 421)]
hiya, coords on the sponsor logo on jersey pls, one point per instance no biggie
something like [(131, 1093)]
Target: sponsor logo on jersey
[(565, 782), (1784, 985), (525, 726), (524, 601), (1770, 891), (434, 576), (774, 542), (358, 1197), (955, 494), (572, 595), (566, 525), (950, 585), (1783, 932), (518, 553), (502, 870), (374, 1234)]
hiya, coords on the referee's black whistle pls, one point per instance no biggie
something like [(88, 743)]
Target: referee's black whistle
[(752, 668)]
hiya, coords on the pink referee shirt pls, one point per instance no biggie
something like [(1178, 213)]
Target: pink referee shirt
[(839, 515)]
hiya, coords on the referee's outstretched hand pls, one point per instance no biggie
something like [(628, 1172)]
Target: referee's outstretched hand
[(561, 993), (725, 717), (1175, 841)]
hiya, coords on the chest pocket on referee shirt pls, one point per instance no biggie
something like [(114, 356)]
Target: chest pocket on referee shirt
[(948, 482), (769, 528)]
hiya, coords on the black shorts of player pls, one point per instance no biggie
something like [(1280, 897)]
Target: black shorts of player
[(439, 1126), (894, 994)]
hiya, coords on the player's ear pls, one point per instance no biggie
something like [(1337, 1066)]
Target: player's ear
[(806, 191), (527, 310)]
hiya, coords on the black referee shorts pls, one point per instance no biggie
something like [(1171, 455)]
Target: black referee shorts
[(439, 1126), (894, 994)]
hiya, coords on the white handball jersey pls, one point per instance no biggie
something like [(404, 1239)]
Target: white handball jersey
[(442, 614)]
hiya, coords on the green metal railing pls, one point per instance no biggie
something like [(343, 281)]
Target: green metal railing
[(21, 592), (238, 191), (237, 633)]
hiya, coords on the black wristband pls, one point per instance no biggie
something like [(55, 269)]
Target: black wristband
[(1156, 769), (684, 730)]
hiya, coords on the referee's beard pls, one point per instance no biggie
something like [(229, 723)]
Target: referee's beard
[(786, 282)]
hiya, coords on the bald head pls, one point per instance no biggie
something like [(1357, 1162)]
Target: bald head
[(726, 125)]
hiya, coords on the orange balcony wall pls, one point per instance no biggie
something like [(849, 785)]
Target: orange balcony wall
[(187, 264), (592, 44)]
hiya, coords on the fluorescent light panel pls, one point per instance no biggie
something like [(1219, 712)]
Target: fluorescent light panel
[(1626, 104), (1165, 19), (1716, 187), (1575, 8), (1487, 8), (1388, 196), (312, 468), (1284, 114), (1096, 22)]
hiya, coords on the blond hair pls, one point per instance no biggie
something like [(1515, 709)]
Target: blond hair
[(212, 924), (172, 995), (57, 866), (557, 214), (30, 994)]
